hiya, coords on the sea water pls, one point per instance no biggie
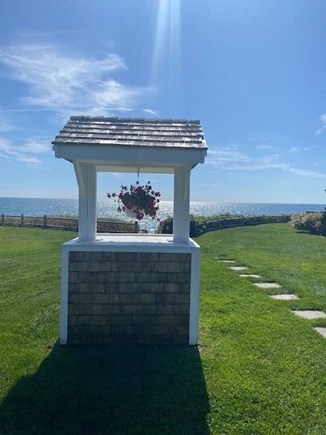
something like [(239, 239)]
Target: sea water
[(108, 209)]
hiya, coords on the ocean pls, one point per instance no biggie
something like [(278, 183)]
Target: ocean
[(107, 209)]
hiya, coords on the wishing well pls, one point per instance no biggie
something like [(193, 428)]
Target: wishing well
[(130, 288)]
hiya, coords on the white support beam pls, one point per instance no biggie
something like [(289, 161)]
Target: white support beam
[(86, 178), (181, 220)]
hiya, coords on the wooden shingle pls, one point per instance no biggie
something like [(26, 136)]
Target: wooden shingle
[(177, 133)]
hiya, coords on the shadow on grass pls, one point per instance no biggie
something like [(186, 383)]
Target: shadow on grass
[(309, 234), (110, 390)]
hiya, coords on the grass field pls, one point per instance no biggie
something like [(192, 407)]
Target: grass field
[(258, 369), (279, 253)]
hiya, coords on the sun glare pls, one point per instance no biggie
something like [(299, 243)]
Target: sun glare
[(167, 41)]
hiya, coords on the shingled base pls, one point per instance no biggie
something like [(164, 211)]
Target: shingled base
[(128, 297)]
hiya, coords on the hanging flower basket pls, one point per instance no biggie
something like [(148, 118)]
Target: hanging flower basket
[(137, 201)]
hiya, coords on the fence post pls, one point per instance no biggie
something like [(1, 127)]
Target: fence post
[(2, 219), (136, 227), (44, 221), (22, 219)]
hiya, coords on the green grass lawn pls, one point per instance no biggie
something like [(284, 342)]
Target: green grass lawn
[(258, 370), (279, 253)]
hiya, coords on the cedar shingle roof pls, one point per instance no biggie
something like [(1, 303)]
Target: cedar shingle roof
[(174, 133)]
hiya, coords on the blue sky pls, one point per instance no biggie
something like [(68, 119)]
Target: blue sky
[(253, 72)]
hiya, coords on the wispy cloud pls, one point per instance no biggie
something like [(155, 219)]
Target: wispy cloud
[(266, 148), (150, 111), (225, 156), (23, 153), (304, 172), (231, 159), (66, 83), (323, 121), (5, 125), (259, 138), (114, 94), (295, 150)]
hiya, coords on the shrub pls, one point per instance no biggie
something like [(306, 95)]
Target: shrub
[(200, 225), (310, 222), (196, 227)]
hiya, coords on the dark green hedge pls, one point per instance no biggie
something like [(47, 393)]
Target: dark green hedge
[(199, 225)]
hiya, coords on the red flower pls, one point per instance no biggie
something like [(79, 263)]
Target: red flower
[(141, 199)]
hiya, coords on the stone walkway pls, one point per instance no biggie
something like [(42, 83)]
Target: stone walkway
[(306, 314), (321, 331), (238, 268), (285, 297), (247, 275), (226, 261), (310, 314), (267, 285)]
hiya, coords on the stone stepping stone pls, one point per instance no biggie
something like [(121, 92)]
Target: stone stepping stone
[(285, 297), (238, 268), (226, 261), (310, 314), (267, 285), (248, 275), (321, 331)]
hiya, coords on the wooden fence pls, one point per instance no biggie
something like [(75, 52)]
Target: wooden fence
[(66, 223)]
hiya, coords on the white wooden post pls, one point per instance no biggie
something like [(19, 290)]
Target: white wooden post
[(181, 204), (86, 177)]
